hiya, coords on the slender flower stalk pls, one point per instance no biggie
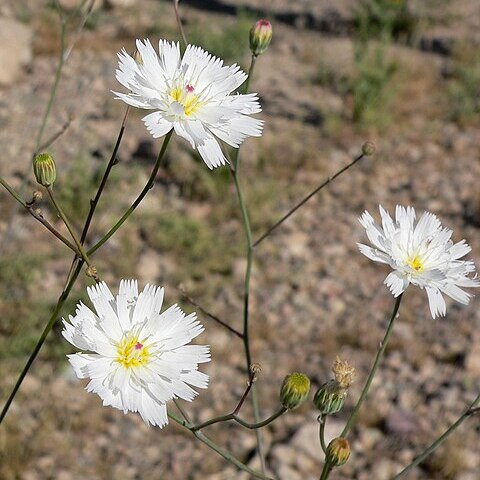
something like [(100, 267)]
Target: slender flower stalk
[(67, 223), (306, 199), (61, 301), (179, 22), (235, 169), (64, 53), (111, 163), (322, 419), (221, 451), (240, 421), (138, 200), (373, 371), (420, 458), (37, 216), (224, 324)]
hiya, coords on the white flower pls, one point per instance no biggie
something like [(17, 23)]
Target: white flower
[(420, 254), (136, 357), (192, 95)]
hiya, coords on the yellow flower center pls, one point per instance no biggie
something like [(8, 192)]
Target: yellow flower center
[(415, 263), (131, 352), (186, 97)]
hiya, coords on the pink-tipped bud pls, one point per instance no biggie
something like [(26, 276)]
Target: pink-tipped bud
[(260, 36)]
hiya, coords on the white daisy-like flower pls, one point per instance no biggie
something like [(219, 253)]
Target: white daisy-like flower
[(137, 359), (421, 254), (191, 94)]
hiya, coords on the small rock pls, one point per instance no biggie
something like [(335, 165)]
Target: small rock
[(15, 49)]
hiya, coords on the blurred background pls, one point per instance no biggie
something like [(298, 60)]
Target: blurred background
[(405, 74)]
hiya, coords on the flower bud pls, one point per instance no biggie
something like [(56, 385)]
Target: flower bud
[(368, 149), (295, 390), (260, 36), (338, 451), (44, 169), (330, 398)]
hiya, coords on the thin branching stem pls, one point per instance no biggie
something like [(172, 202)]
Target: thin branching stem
[(306, 199), (251, 379), (111, 163), (139, 199), (62, 59), (373, 371), (471, 410), (63, 297), (37, 215), (179, 23), (224, 324), (67, 223), (55, 136), (221, 451), (327, 468), (53, 91), (70, 282), (235, 168), (240, 421), (323, 421)]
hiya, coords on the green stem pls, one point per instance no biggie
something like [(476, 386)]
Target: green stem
[(41, 340), (243, 423), (189, 299), (221, 451), (326, 471), (373, 371), (419, 459), (138, 200), (323, 421), (53, 91), (250, 73), (112, 162), (248, 271), (67, 223), (306, 199), (179, 23), (71, 279), (37, 216), (246, 298)]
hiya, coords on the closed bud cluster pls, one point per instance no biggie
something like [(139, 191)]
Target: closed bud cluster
[(338, 451), (295, 390), (331, 396), (44, 169), (260, 36)]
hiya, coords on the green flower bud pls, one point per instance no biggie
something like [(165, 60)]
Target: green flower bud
[(44, 169), (338, 451), (368, 149), (260, 36), (295, 390), (330, 398)]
